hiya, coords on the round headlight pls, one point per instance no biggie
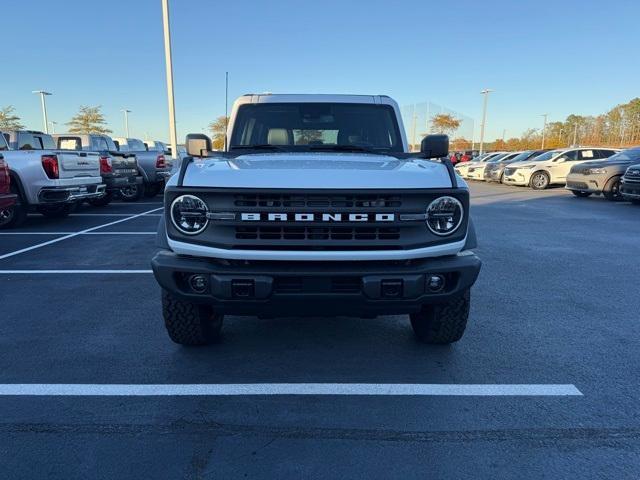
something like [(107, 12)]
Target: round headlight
[(444, 215), (189, 214)]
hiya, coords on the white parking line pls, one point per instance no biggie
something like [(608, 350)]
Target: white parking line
[(385, 389), (67, 233), (76, 272), (75, 234)]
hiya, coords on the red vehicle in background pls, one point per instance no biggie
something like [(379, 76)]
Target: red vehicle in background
[(466, 157), (7, 199)]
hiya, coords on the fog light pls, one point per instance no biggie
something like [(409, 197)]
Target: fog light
[(198, 283), (435, 283)]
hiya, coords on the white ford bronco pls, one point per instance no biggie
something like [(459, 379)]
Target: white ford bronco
[(316, 208)]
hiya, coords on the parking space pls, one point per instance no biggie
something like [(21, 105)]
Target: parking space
[(556, 304)]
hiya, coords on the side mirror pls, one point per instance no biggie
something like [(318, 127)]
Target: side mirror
[(435, 146), (561, 159), (198, 145)]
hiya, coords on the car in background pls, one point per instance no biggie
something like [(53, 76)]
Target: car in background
[(152, 165), (156, 146), (7, 197), (119, 170), (494, 171), (477, 172), (462, 169), (602, 176), (551, 168), (630, 184), (49, 181)]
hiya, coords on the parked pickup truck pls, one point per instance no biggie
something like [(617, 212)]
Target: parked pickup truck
[(316, 208), (119, 170), (7, 196), (153, 165), (48, 180)]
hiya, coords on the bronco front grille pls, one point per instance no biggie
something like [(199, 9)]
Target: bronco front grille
[(252, 219), (317, 201), (316, 233)]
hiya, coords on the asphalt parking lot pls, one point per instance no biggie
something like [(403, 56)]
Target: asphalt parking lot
[(556, 304)]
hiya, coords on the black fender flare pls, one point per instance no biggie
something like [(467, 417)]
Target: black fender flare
[(472, 239), (161, 235)]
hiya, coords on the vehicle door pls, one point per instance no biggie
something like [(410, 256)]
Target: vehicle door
[(560, 166)]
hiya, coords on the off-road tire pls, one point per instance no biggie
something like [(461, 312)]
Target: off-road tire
[(56, 211), (442, 323), (580, 194), (190, 323), (103, 201), (16, 215), (152, 189), (611, 190), (132, 193), (539, 185)]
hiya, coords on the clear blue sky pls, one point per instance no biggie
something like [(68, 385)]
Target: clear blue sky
[(557, 57)]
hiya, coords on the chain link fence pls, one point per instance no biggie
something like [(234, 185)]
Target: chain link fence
[(418, 122)]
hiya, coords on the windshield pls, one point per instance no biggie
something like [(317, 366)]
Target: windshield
[(521, 157), (546, 156), (135, 145), (631, 155), (499, 157), (307, 126)]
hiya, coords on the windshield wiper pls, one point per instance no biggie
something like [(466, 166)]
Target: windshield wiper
[(348, 148), (261, 146)]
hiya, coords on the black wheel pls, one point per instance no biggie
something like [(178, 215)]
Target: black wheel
[(501, 177), (14, 216), (611, 190), (132, 193), (635, 201), (56, 211), (580, 194), (442, 323), (539, 181), (190, 323), (152, 189), (103, 201)]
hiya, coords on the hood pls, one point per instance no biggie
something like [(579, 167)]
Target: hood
[(316, 170), (581, 167)]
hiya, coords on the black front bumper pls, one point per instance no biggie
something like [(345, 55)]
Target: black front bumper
[(630, 190), (273, 288)]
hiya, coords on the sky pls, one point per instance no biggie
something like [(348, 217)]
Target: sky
[(556, 57)]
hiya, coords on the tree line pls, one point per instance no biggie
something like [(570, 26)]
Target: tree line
[(619, 127), (87, 120)]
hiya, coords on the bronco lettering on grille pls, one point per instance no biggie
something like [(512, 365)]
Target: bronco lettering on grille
[(318, 217)]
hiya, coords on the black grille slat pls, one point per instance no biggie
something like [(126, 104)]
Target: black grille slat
[(316, 233), (318, 201)]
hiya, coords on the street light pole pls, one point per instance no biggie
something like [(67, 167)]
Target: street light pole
[(575, 135), (486, 93), (169, 67), (544, 129), (126, 120), (43, 94), (53, 126)]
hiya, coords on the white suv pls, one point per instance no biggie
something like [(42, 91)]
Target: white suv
[(551, 167)]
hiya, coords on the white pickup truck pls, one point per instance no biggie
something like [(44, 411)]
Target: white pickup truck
[(317, 208), (48, 180)]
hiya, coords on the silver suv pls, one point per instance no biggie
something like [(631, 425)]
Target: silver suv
[(602, 176)]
